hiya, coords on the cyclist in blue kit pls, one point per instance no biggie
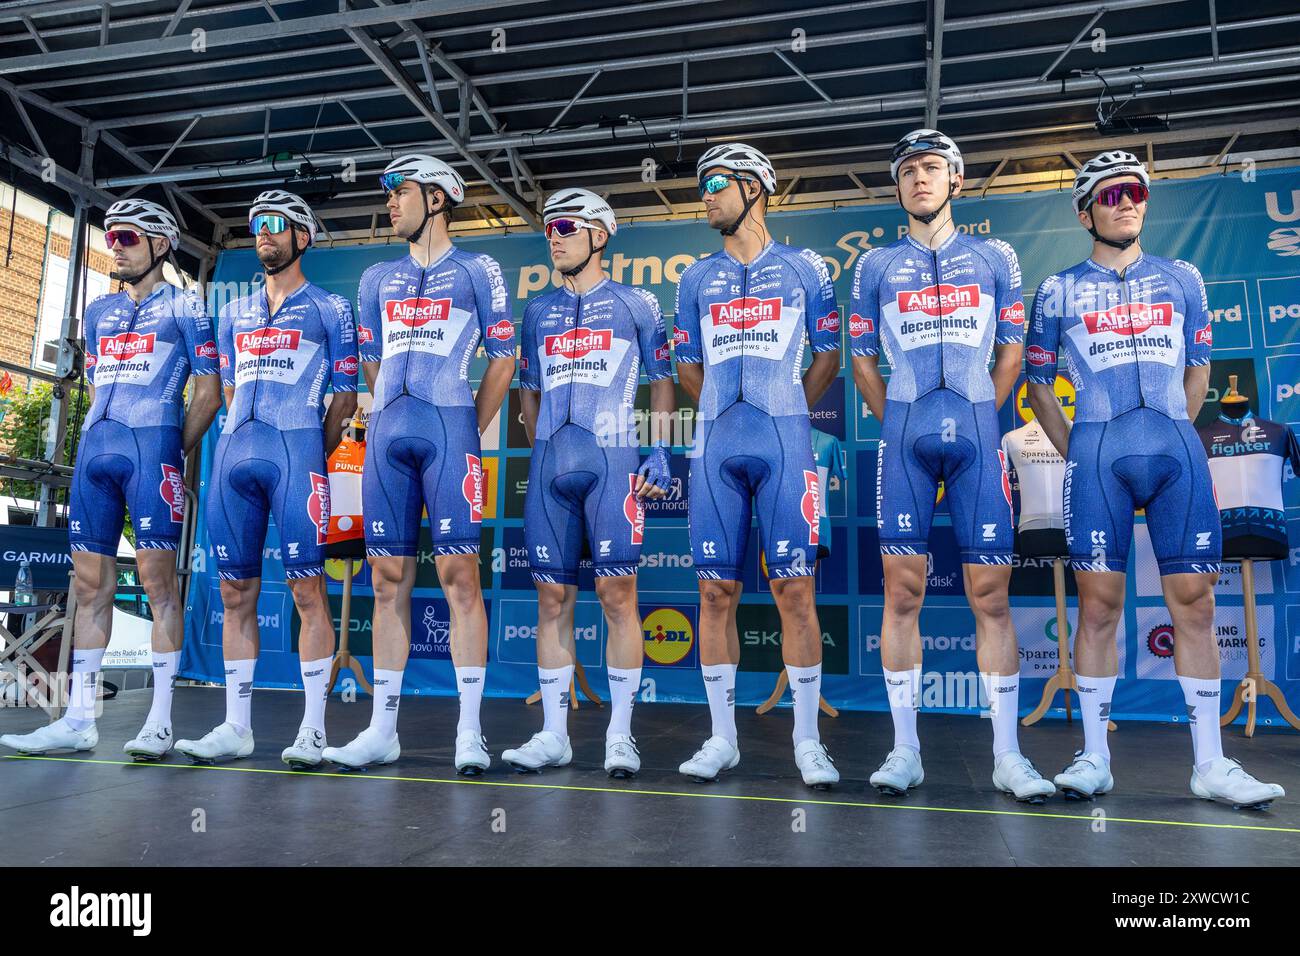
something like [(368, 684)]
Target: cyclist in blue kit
[(143, 344), (942, 305), (281, 348), (584, 347), (1135, 333), (422, 318), (744, 317)]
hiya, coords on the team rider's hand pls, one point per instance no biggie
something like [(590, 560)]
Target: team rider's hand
[(653, 477)]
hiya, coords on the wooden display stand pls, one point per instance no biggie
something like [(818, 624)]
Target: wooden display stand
[(1254, 684), (579, 680), (782, 682), (1063, 679), (342, 658), (19, 653)]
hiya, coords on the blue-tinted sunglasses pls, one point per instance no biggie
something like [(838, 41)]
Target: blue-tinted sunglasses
[(719, 181), (268, 221), (390, 181)]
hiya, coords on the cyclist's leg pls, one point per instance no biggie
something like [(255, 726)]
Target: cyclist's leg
[(453, 491)]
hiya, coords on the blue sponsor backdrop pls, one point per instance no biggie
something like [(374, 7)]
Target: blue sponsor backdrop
[(1245, 238)]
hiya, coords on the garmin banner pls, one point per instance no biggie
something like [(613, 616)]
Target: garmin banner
[(1242, 232)]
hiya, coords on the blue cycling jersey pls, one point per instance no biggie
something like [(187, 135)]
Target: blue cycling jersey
[(425, 324), (937, 333), (1126, 338), (270, 460), (748, 324), (585, 354), (139, 357), (281, 365)]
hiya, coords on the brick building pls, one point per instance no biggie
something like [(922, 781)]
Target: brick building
[(35, 243)]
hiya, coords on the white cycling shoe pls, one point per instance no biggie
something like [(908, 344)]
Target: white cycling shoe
[(221, 742), (622, 759), (815, 765), (1088, 776), (368, 748), (1227, 782), (544, 749), (152, 743), (56, 736), (717, 754), (307, 752), (1014, 774), (472, 756), (900, 772)]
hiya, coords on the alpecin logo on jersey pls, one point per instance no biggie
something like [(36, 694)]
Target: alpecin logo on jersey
[(1006, 477), (829, 323), (1014, 313), (471, 487), (575, 343), (1037, 355), (261, 342), (661, 353), (859, 326), (207, 350), (1130, 318), (126, 346), (346, 365), (935, 301), (364, 335), (172, 490), (318, 505), (634, 510), (680, 336), (415, 312), (810, 506), (745, 313), (1205, 336), (502, 329)]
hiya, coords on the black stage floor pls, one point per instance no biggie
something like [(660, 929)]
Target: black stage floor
[(100, 809)]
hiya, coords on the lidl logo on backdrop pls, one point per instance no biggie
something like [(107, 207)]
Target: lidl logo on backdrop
[(669, 637), (1064, 389)]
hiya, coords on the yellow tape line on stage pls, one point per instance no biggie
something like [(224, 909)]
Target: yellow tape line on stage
[(361, 775)]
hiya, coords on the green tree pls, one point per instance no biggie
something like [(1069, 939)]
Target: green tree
[(26, 422)]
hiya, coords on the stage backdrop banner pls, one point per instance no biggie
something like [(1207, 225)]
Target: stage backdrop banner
[(1243, 233)]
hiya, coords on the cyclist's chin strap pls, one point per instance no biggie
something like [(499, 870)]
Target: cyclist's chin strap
[(154, 262), (591, 251), (929, 217), (297, 254), (1120, 244), (428, 214), (749, 204)]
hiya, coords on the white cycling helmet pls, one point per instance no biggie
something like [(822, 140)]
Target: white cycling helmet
[(739, 158), (1106, 165), (292, 207), (925, 141), (580, 204), (149, 217), (426, 170)]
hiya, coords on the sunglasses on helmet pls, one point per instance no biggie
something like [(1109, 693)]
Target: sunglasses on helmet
[(564, 228), (121, 237), (270, 222), (1114, 195)]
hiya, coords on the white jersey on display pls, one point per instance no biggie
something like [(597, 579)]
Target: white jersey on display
[(1040, 470)]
